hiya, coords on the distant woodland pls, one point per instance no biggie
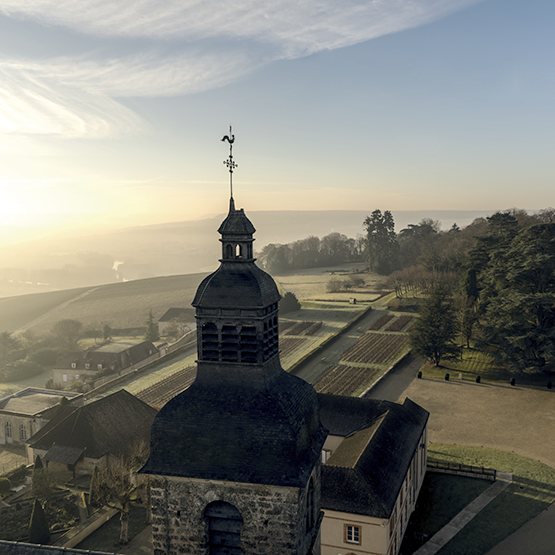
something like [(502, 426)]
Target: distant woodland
[(495, 278)]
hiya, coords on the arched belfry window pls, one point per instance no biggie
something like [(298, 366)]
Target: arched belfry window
[(224, 528), (238, 251), (228, 251)]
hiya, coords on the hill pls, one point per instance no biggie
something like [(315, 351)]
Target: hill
[(76, 259), (121, 305)]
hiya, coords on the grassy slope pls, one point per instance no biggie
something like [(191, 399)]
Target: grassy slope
[(122, 305), (18, 311)]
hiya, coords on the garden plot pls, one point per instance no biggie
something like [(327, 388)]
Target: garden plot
[(400, 323), (376, 348), (344, 380), (381, 322), (160, 393)]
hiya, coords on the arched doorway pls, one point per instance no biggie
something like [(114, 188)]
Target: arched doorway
[(224, 528)]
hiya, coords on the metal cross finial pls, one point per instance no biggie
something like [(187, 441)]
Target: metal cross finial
[(230, 162)]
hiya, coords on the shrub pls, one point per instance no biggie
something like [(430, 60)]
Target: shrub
[(40, 482), (334, 285), (38, 526), (49, 383), (76, 386), (289, 303), (19, 370), (513, 381), (5, 485), (356, 280), (420, 375), (549, 385), (478, 379), (447, 377), (46, 356), (16, 474)]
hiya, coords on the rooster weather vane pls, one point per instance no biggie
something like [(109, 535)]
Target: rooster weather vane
[(230, 162)]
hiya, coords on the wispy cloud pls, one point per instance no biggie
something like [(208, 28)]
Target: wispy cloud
[(212, 43), (302, 27)]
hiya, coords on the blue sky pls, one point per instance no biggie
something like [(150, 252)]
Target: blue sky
[(112, 112)]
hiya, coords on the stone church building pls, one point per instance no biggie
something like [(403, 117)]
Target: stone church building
[(235, 459)]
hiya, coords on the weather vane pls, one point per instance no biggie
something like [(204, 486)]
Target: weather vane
[(229, 162)]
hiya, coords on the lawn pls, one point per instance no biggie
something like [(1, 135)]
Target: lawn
[(311, 284), (477, 363), (532, 491), (441, 498)]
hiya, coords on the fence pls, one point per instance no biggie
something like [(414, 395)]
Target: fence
[(462, 470)]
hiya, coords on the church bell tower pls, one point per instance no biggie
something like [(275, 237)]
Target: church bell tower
[(235, 459)]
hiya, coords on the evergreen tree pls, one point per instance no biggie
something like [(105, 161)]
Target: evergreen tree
[(519, 289), (38, 525), (151, 331), (434, 333), (381, 242), (40, 486)]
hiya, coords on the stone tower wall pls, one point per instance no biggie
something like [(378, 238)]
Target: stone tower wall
[(274, 517)]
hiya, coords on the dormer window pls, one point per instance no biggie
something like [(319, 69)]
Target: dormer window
[(87, 366), (99, 366), (74, 365)]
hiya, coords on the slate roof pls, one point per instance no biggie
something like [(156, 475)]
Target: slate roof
[(33, 401), (172, 313), (112, 425), (116, 353), (263, 429), (365, 473), (242, 285), (66, 455)]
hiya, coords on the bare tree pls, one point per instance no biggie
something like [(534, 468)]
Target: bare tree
[(117, 484)]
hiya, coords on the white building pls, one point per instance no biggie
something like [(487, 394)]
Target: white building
[(375, 462)]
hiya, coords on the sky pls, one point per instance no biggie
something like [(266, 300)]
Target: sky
[(112, 113)]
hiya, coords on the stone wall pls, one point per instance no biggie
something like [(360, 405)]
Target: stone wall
[(274, 517)]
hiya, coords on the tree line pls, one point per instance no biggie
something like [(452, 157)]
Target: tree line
[(504, 289), (312, 252)]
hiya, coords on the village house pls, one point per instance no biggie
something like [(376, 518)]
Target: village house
[(24, 413), (115, 356)]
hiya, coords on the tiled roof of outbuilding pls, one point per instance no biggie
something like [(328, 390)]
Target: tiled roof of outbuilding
[(112, 425), (365, 473)]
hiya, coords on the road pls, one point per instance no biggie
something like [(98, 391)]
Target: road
[(331, 354)]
